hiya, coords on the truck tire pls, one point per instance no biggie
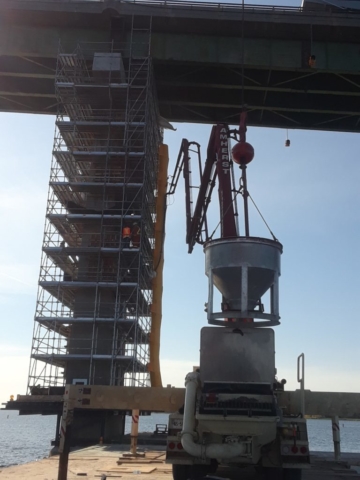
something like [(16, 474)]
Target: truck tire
[(181, 472), (269, 473), (292, 474), (199, 471), (193, 472), (281, 473)]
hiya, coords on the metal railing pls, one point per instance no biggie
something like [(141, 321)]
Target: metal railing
[(301, 380), (231, 7), (216, 5)]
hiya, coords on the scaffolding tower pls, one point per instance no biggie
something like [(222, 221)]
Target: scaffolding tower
[(93, 314)]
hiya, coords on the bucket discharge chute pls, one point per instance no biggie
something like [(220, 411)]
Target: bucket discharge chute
[(243, 269)]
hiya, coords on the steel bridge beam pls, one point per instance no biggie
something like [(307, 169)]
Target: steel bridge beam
[(197, 51)]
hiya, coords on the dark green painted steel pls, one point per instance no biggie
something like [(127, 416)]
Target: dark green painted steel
[(259, 53), (197, 52)]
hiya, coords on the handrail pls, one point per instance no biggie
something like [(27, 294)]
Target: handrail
[(216, 5), (301, 380), (219, 6)]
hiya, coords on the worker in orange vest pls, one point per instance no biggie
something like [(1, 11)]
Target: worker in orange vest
[(126, 237), (312, 61), (135, 235)]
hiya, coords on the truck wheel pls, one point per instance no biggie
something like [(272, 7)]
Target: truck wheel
[(181, 472), (282, 473), (271, 473), (193, 472), (199, 471), (292, 474)]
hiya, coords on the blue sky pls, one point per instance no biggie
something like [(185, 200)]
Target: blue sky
[(308, 193)]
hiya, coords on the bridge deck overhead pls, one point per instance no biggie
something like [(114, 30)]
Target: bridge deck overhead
[(198, 51)]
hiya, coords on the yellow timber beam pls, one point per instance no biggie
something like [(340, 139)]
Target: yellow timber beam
[(324, 404)]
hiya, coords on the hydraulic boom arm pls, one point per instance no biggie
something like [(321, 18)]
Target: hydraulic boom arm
[(217, 165)]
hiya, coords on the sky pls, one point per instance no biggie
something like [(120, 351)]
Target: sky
[(309, 195)]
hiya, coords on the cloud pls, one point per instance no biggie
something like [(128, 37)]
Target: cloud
[(10, 349), (17, 201), (173, 372), (22, 211), (319, 379), (14, 373), (18, 277)]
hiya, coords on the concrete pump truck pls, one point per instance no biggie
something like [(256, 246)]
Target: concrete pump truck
[(231, 416)]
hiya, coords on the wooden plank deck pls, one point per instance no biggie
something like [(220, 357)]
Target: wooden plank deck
[(94, 461)]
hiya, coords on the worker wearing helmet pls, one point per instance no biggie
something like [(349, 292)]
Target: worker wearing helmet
[(126, 237), (312, 61), (135, 235)]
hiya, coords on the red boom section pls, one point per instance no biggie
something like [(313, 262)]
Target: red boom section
[(219, 145)]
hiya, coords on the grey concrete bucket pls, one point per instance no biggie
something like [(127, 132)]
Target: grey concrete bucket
[(243, 264)]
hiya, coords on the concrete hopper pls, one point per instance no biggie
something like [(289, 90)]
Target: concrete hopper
[(243, 269)]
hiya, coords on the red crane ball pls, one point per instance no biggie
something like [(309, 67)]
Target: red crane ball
[(242, 153)]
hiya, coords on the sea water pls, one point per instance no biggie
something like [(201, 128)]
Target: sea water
[(27, 438)]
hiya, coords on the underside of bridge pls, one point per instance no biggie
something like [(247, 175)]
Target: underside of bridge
[(204, 56)]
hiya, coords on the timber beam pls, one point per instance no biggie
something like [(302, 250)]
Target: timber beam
[(169, 400)]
